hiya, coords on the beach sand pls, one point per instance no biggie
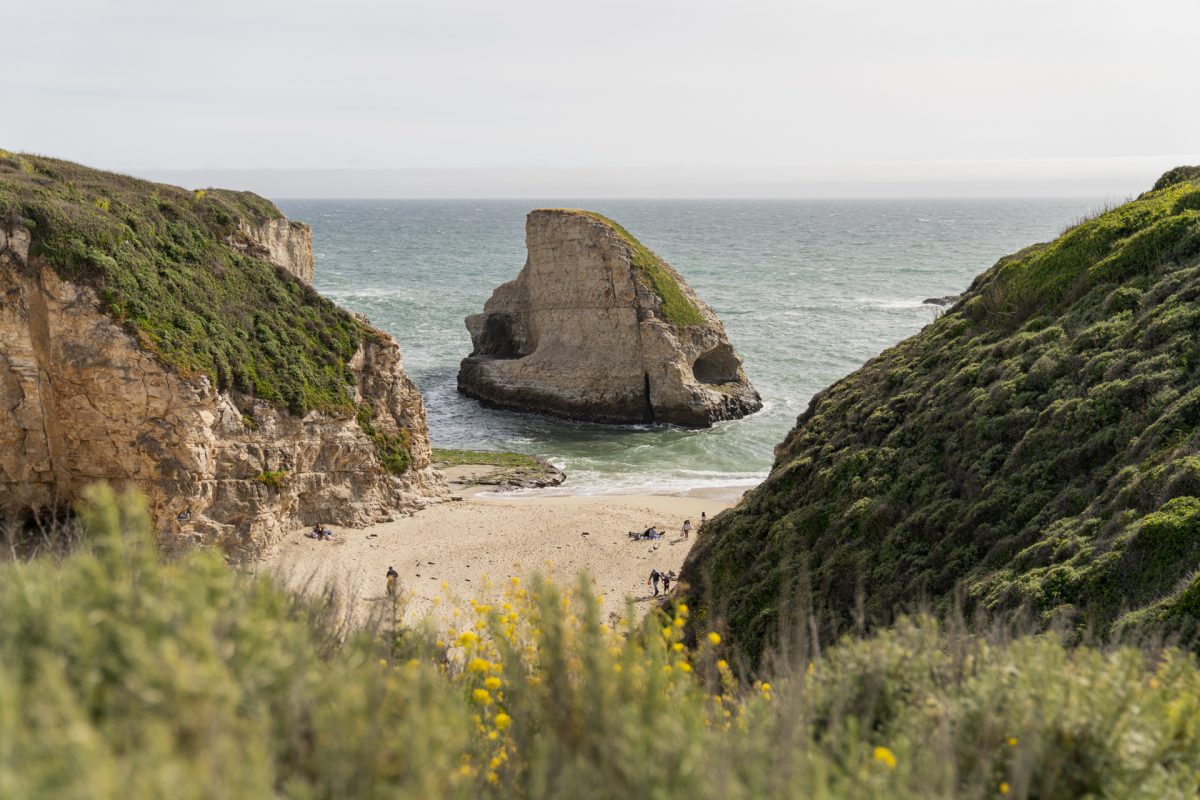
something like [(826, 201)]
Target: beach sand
[(470, 548)]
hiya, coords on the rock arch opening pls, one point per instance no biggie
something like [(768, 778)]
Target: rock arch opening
[(719, 365)]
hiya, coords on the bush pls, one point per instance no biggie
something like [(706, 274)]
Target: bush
[(130, 676)]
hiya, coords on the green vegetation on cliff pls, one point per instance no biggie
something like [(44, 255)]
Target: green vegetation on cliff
[(456, 458), (131, 676), (676, 308), (158, 259), (1036, 447)]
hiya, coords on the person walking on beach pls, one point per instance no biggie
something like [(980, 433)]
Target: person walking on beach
[(703, 518), (392, 578), (653, 580), (687, 528), (666, 579)]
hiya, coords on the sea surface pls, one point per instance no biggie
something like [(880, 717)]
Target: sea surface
[(808, 291)]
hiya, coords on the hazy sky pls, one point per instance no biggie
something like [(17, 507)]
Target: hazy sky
[(495, 97)]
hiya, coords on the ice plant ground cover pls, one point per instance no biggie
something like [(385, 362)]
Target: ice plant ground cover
[(134, 676)]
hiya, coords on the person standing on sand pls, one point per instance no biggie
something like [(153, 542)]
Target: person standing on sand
[(687, 527), (653, 580), (666, 579), (392, 578)]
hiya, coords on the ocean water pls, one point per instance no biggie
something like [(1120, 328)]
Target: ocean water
[(808, 291)]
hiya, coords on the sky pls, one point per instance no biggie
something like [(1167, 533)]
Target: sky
[(512, 98)]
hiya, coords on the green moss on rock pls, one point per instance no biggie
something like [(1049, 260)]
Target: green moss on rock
[(394, 450), (1036, 447), (157, 257), (676, 308)]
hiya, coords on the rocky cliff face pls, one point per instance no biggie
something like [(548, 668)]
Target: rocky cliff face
[(283, 242), (596, 327), (85, 396)]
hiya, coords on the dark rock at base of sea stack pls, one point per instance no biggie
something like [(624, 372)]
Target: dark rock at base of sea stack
[(596, 327)]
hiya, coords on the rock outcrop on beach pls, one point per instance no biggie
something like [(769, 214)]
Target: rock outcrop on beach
[(1036, 448), (598, 328), (168, 341)]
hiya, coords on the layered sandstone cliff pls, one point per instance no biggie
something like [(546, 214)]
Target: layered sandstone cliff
[(88, 395), (283, 242), (596, 327)]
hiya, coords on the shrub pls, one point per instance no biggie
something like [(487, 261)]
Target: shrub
[(127, 675)]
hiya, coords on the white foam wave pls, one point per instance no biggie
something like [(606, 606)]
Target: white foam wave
[(721, 485)]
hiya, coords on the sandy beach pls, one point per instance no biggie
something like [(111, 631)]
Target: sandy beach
[(470, 548)]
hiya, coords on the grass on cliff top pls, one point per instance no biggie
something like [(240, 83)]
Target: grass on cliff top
[(1037, 447), (1123, 243), (157, 257), (130, 676), (676, 308)]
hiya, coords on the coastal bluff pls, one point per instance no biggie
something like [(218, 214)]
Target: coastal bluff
[(169, 341), (598, 328), (1031, 454)]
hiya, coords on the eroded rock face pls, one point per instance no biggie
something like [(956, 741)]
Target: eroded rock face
[(282, 242), (583, 333), (80, 401)]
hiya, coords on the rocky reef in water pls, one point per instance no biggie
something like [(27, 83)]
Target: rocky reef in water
[(596, 327), (169, 341)]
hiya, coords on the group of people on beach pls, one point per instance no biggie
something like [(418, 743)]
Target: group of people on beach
[(320, 533), (653, 532), (665, 578)]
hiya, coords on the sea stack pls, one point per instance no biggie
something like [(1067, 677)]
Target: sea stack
[(597, 327), (169, 341)]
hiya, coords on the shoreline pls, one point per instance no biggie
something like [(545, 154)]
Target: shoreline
[(450, 553)]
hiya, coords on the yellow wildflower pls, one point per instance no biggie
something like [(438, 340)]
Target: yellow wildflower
[(722, 664), (1003, 788), (503, 720), (477, 665), (681, 609), (1012, 741), (679, 623), (678, 646), (685, 666), (492, 683), (885, 757), (482, 696), (714, 638)]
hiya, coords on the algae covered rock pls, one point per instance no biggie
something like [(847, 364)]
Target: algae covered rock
[(596, 327), (1037, 448), (168, 341)]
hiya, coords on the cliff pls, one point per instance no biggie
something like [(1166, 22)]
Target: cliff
[(1034, 448), (169, 340), (596, 327)]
